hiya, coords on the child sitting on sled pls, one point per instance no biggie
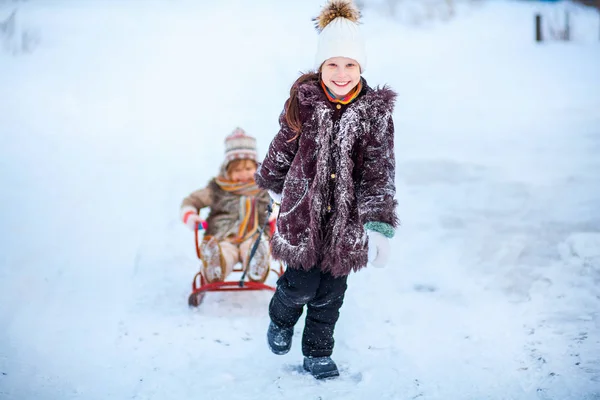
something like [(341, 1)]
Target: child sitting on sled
[(237, 211)]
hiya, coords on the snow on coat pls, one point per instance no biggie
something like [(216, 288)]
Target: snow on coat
[(335, 177)]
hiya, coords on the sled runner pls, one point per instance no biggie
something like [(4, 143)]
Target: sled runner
[(200, 285)]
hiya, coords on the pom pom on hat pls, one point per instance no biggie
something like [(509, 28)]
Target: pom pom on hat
[(336, 9), (339, 33), (240, 146)]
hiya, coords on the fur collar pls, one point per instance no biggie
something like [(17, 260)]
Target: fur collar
[(374, 102)]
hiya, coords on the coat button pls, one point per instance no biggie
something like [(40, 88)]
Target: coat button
[(339, 106), (332, 176)]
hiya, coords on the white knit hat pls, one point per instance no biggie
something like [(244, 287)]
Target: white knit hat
[(240, 146), (339, 33)]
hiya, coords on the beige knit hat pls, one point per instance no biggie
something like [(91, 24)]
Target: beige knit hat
[(240, 146)]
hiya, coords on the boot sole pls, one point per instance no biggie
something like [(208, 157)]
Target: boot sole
[(279, 352)]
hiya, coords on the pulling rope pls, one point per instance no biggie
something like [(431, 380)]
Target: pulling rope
[(258, 232)]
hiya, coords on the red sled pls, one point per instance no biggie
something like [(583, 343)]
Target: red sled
[(200, 286)]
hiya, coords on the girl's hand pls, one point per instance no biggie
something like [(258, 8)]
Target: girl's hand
[(191, 219), (379, 249)]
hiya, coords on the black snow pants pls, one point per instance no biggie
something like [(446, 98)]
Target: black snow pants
[(323, 296)]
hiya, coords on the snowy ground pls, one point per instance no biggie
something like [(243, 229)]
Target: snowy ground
[(493, 291)]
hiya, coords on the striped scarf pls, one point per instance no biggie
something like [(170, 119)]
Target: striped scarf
[(348, 98), (248, 207)]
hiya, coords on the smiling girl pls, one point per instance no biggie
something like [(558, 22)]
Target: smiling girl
[(331, 167)]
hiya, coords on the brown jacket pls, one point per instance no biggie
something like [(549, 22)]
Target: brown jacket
[(224, 216)]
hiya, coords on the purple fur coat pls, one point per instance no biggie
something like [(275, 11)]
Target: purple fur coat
[(335, 177)]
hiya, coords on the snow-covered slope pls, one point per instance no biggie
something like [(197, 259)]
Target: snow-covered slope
[(120, 111)]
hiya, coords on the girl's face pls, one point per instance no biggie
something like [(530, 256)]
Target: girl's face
[(242, 171), (340, 75)]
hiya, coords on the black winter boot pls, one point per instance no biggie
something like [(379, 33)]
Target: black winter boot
[(279, 339), (321, 367)]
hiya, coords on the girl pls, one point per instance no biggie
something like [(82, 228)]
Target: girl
[(331, 167), (237, 210)]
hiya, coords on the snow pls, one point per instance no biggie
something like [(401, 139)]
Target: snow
[(492, 291)]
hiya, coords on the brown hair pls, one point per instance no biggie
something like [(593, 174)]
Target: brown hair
[(234, 163), (292, 108)]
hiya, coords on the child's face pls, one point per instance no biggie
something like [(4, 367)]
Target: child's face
[(243, 171), (340, 75)]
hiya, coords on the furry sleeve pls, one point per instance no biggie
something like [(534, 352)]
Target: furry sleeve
[(377, 187), (198, 199)]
